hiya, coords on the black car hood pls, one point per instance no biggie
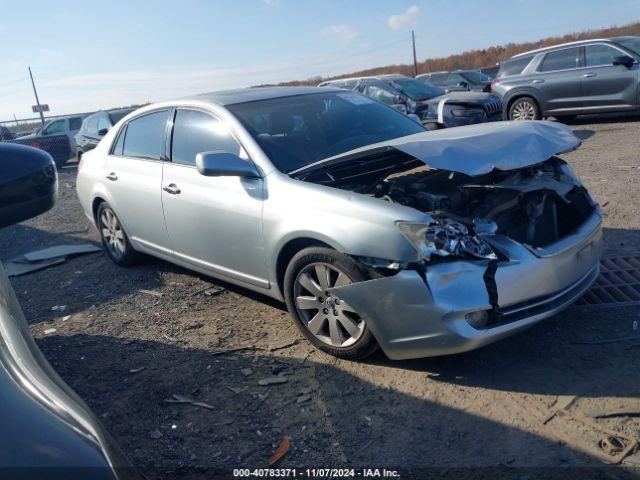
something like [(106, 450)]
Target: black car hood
[(472, 150)]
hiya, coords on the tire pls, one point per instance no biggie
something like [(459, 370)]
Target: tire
[(524, 108), (119, 250), (60, 162), (333, 326)]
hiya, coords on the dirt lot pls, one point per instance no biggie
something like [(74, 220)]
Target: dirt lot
[(126, 351)]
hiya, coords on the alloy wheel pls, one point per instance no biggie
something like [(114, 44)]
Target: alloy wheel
[(523, 111), (112, 233), (329, 318)]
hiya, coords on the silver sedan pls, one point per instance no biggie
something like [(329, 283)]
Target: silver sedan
[(374, 231)]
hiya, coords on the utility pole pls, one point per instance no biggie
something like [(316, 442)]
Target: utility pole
[(415, 60), (35, 92)]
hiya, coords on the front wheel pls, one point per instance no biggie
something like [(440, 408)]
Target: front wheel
[(524, 108), (325, 319)]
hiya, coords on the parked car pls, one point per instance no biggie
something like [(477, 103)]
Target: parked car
[(428, 102), (95, 126), (373, 230), (590, 76), (491, 71), (55, 145), (459, 80), (48, 431), (68, 126)]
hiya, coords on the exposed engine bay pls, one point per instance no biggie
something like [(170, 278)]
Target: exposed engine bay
[(535, 205)]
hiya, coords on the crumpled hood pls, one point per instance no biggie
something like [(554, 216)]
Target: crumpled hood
[(462, 97), (475, 149)]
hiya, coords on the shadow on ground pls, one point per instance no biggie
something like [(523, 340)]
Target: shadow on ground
[(346, 422)]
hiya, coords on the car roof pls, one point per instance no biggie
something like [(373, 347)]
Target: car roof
[(568, 44), (366, 77), (252, 94)]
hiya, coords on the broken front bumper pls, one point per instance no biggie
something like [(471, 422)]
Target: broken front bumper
[(412, 319)]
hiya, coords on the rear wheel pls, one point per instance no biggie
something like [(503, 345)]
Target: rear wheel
[(524, 108), (327, 321), (114, 238)]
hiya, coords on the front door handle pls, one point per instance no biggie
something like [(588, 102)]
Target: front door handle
[(539, 80), (112, 176), (589, 75), (172, 188)]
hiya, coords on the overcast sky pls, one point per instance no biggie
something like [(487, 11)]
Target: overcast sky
[(88, 55)]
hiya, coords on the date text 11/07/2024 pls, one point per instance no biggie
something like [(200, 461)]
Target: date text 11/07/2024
[(315, 473)]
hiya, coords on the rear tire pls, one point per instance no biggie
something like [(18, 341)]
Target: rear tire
[(327, 321), (114, 239), (524, 108)]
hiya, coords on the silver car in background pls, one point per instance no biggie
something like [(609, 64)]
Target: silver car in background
[(374, 231)]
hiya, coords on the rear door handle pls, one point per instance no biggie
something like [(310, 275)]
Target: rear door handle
[(112, 176), (172, 188), (589, 75)]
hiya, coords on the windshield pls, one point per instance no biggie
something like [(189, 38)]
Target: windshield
[(632, 44), (300, 130), (476, 77), (418, 90)]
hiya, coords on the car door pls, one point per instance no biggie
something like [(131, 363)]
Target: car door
[(214, 223), (134, 180), (606, 84), (560, 80)]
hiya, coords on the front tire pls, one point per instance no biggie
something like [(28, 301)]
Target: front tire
[(114, 239), (327, 321), (524, 108)]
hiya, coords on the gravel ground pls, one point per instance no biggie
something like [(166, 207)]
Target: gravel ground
[(126, 350)]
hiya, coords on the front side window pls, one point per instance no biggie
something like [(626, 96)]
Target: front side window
[(103, 123), (75, 123), (54, 127), (145, 136), (455, 79), (302, 129), (196, 132), (560, 60), (599, 55), (380, 94), (91, 124), (476, 77)]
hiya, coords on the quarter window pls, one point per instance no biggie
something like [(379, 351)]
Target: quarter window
[(119, 146), (196, 132), (598, 55), (145, 136), (560, 60)]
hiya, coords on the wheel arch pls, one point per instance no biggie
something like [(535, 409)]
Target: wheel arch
[(289, 250), (521, 93)]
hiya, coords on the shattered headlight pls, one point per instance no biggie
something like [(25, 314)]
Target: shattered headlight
[(445, 237)]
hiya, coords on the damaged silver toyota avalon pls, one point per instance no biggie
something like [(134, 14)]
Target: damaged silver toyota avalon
[(374, 231)]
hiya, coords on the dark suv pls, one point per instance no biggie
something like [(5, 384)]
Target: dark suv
[(95, 126), (459, 80), (590, 76)]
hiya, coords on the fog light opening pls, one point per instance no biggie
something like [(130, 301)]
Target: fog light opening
[(477, 319)]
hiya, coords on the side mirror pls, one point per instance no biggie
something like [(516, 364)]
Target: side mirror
[(625, 60), (103, 131), (28, 183), (223, 164), (463, 84)]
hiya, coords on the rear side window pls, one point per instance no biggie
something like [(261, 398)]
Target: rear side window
[(75, 123), (145, 136), (598, 55), (196, 132), (513, 67), (380, 94), (560, 60)]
